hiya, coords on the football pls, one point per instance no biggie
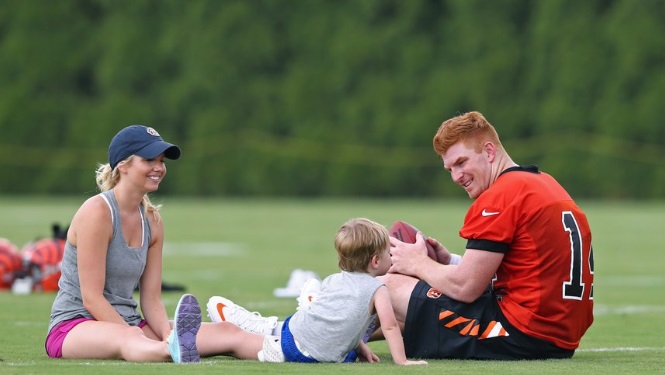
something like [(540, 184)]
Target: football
[(406, 232)]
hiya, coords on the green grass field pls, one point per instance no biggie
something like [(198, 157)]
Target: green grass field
[(243, 249)]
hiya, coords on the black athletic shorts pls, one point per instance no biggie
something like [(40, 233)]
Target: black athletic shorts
[(439, 327)]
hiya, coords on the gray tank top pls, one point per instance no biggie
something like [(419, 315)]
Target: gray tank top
[(339, 317), (124, 267)]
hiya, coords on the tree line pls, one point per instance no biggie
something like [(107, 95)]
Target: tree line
[(332, 98)]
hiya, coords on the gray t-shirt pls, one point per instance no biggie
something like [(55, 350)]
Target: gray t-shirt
[(124, 267), (338, 318)]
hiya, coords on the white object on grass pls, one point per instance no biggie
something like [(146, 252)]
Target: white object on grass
[(295, 283)]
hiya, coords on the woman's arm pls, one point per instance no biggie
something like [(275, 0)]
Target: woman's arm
[(151, 283), (91, 231)]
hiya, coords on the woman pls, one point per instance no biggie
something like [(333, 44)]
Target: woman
[(115, 243)]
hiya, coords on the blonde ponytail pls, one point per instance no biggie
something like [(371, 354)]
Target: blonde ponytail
[(106, 179)]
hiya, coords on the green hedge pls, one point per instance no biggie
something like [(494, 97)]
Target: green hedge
[(331, 98)]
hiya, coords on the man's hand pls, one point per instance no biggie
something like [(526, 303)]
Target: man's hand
[(442, 254), (408, 258)]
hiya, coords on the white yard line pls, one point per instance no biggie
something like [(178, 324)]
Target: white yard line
[(624, 349), (600, 310)]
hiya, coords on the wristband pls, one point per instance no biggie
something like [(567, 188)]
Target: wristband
[(455, 259)]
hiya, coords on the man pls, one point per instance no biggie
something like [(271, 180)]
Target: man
[(524, 287)]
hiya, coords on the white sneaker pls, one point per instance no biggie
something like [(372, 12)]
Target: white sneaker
[(272, 350), (221, 309), (308, 293), (295, 283)]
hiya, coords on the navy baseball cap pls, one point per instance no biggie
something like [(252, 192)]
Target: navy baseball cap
[(142, 141)]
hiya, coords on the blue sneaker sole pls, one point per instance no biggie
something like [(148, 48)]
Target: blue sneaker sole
[(186, 325)]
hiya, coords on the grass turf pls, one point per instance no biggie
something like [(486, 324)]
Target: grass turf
[(243, 249)]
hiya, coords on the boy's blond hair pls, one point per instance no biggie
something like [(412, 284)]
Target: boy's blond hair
[(357, 241)]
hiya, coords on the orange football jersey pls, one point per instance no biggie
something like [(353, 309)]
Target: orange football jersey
[(544, 283)]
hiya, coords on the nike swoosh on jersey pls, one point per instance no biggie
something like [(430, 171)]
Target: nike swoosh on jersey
[(489, 213)]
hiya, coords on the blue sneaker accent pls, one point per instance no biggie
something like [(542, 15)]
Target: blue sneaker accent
[(182, 340)]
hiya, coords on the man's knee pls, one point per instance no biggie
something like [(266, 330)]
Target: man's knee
[(400, 288), (398, 283)]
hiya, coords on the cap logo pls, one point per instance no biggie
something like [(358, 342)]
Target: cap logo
[(152, 131)]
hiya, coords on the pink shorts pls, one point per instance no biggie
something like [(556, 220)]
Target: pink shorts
[(57, 335)]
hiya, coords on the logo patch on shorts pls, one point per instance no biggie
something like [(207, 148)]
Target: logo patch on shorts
[(433, 293)]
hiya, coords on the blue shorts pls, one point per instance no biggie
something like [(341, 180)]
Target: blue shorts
[(293, 354)]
